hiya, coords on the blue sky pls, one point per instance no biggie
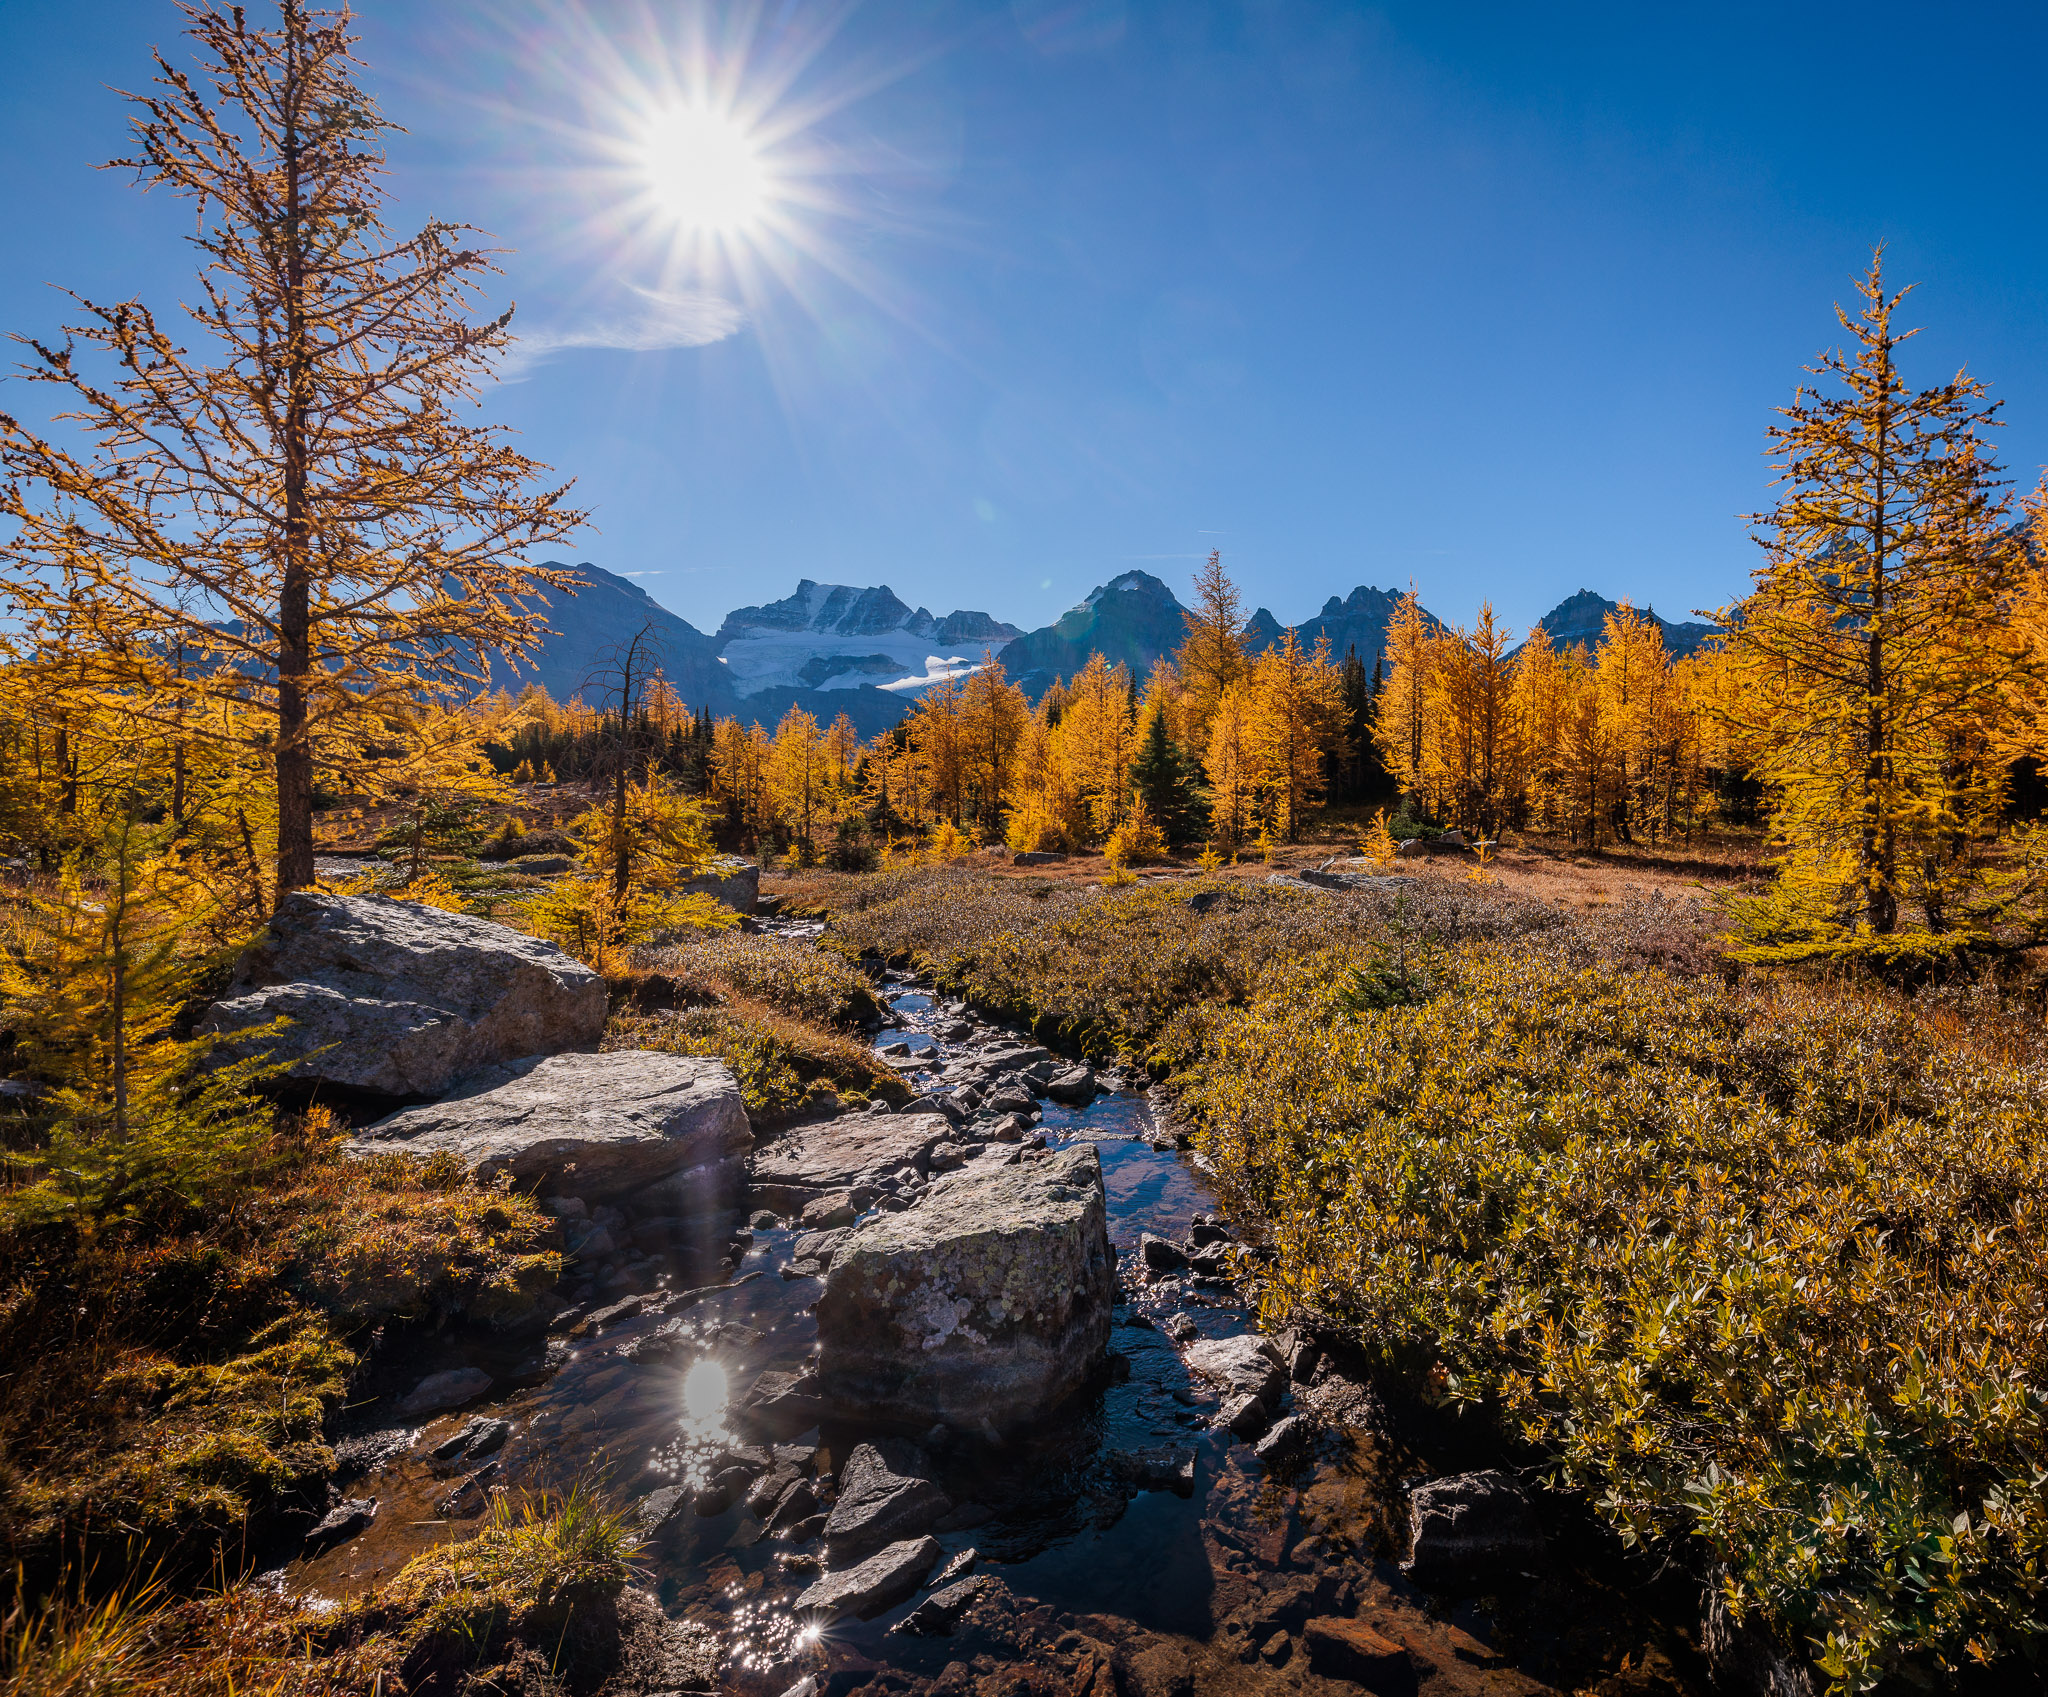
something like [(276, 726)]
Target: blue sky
[(1493, 298)]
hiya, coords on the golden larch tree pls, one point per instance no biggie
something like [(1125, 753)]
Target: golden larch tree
[(278, 503), (1874, 649)]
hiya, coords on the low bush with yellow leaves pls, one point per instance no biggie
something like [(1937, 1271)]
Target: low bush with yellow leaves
[(1760, 1270)]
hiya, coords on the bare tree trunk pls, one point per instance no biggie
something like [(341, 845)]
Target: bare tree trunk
[(294, 612)]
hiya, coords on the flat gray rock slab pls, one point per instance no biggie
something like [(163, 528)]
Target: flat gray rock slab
[(623, 1122), (879, 1583), (399, 999), (849, 1154), (987, 1304), (1242, 1366)]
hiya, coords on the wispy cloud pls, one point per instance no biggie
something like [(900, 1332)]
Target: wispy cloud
[(649, 323)]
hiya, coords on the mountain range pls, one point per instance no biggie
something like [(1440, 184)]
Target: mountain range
[(832, 648)]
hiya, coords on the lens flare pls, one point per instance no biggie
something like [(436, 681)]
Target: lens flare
[(705, 171), (704, 1392)]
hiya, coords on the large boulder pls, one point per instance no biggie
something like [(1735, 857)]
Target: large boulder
[(983, 1306), (399, 999), (850, 1156), (735, 882), (1469, 1528), (629, 1123)]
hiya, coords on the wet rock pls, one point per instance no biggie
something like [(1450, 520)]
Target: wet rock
[(1159, 1255), (764, 1219), (700, 1196), (1288, 1439), (1181, 1329), (446, 1390), (623, 1121), (768, 1490), (1277, 1650), (986, 1305), (470, 1493), (812, 1253), (368, 1451), (1206, 1231), (827, 1212), (401, 999), (660, 1346), (1158, 1467), (892, 1051), (1010, 1128), (1244, 1416), (599, 1319), (852, 1153), (1010, 1099), (1341, 1401), (1241, 1366), (654, 1511), (885, 1494), (959, 1566), (1160, 1669), (343, 1522), (876, 1585), (1350, 1649), (1075, 1087), (479, 1437), (719, 1492), (780, 1405), (1469, 1527), (939, 1613)]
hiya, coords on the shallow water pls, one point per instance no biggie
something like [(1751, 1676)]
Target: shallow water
[(1050, 1514)]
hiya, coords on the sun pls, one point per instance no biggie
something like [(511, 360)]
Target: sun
[(705, 171)]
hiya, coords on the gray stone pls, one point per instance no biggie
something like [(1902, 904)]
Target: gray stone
[(400, 999), (877, 1584), (947, 1157), (344, 1521), (852, 1153), (1287, 1439), (939, 1613), (446, 1390), (812, 1253), (1075, 1087), (1010, 1128), (621, 1121), (1159, 1255), (885, 1494), (1159, 1467), (480, 1436), (736, 883), (1241, 1366), (987, 1304), (825, 1212), (657, 1509), (1469, 1527), (1244, 1417), (780, 1405), (368, 1451)]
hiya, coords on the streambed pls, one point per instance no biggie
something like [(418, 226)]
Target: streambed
[(1104, 1585)]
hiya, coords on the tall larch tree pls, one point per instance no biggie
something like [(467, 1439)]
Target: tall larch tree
[(278, 504), (1297, 717), (1874, 647), (1401, 722), (1213, 657)]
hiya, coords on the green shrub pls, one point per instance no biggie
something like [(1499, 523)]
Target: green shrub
[(782, 1065), (785, 972), (1761, 1269)]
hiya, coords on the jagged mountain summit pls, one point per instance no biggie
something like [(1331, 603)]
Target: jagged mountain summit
[(1581, 617), (1133, 618), (831, 636), (1358, 620), (833, 648)]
